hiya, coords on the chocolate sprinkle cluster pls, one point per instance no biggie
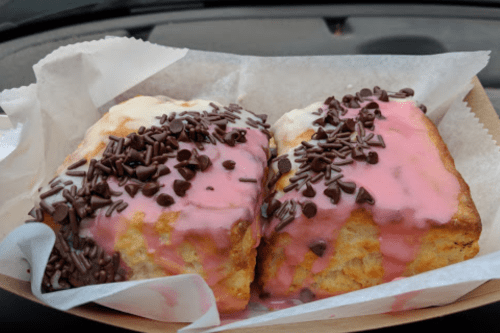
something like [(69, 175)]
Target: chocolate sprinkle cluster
[(347, 142), (137, 162)]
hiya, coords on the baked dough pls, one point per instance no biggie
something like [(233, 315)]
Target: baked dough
[(364, 191), (161, 187)]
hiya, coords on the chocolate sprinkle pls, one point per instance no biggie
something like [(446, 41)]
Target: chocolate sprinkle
[(247, 180), (77, 164)]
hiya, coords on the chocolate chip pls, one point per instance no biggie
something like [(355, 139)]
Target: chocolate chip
[(162, 170), (172, 142), (209, 188), (317, 164), (273, 206), (353, 104), (333, 192), (176, 126), (181, 186), (229, 164), (320, 134), (357, 154), (306, 295), (165, 200), (134, 156), (365, 92), (193, 162), (378, 115), (309, 191), (423, 108), (372, 157), (231, 138), (262, 117), (187, 173), (144, 172), (347, 187), (383, 96), (183, 155), (204, 162), (309, 209), (350, 124), (371, 105), (183, 137), (284, 165), (102, 189), (160, 136), (136, 141), (318, 247), (132, 189), (363, 196), (150, 189), (60, 212), (222, 123), (407, 91)]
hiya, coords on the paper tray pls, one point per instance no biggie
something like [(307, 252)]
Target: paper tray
[(487, 293)]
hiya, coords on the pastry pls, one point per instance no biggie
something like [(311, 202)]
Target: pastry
[(161, 187), (363, 191)]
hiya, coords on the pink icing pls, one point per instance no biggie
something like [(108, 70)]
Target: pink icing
[(411, 187), (204, 214)]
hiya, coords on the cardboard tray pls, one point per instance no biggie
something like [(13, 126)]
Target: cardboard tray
[(487, 293)]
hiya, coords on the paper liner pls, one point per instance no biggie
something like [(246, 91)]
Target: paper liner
[(75, 84)]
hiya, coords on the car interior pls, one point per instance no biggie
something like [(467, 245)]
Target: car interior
[(30, 29)]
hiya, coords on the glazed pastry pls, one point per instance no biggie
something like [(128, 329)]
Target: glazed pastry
[(161, 187), (364, 190)]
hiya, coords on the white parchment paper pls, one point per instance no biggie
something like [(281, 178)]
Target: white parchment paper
[(75, 84)]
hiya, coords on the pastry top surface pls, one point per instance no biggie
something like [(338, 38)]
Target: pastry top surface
[(208, 199), (409, 180)]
